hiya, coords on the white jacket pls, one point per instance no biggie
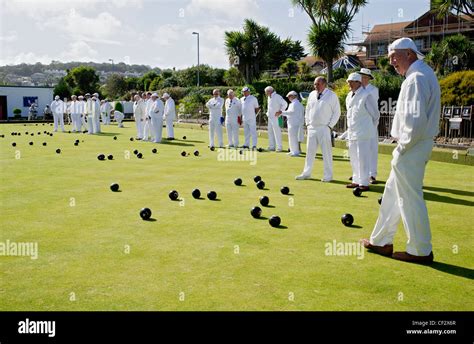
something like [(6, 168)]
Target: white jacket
[(362, 114), (156, 109), (106, 107), (233, 108), (418, 107), (170, 109), (275, 103), (75, 107), (58, 107), (323, 112), (215, 107), (139, 109), (295, 114), (249, 106)]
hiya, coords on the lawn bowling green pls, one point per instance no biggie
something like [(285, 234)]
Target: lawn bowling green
[(92, 242)]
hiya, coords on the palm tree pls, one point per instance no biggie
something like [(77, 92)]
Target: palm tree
[(331, 26), (444, 7)]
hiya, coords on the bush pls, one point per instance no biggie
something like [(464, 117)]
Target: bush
[(341, 88), (389, 86), (456, 89), (17, 112), (118, 107)]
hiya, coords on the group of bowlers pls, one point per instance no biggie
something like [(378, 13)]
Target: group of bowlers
[(84, 113), (415, 124)]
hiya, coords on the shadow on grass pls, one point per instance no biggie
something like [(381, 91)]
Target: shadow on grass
[(354, 226), (453, 191), (193, 141), (105, 134), (281, 227), (429, 196), (151, 219), (176, 143), (268, 206), (453, 270)]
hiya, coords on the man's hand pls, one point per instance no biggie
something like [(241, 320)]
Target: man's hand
[(278, 113)]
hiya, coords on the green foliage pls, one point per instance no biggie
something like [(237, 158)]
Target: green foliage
[(457, 89), (340, 73), (388, 84), (384, 65), (146, 80), (341, 88), (232, 76), (17, 111), (118, 106), (256, 49), (83, 80), (208, 76), (454, 53), (192, 104), (62, 89), (156, 84), (304, 71), (115, 87), (289, 67)]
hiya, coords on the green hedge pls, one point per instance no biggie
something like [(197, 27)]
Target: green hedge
[(458, 89)]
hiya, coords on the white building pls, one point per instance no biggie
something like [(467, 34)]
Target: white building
[(21, 97)]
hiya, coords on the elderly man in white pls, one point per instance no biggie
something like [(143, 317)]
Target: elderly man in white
[(58, 108), (215, 105), (170, 115), (148, 126), (415, 124), (82, 107), (362, 114), (233, 109), (118, 116), (366, 76), (276, 105), (75, 109), (139, 114), (105, 109), (156, 112), (321, 115), (295, 115), (96, 113), (250, 109)]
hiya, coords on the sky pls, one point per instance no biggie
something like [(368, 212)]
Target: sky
[(158, 33)]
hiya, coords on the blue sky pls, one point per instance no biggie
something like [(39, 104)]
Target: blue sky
[(157, 32)]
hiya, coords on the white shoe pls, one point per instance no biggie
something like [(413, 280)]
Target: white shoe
[(293, 155), (302, 177), (279, 150), (326, 180)]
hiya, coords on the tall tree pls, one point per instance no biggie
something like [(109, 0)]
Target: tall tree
[(256, 48), (83, 80), (454, 53), (115, 86), (331, 21)]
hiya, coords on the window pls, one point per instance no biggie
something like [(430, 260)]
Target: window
[(27, 101)]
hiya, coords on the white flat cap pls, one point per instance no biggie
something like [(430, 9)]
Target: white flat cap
[(57, 97), (245, 89), (292, 93), (354, 77), (366, 71), (96, 94), (405, 43), (165, 95), (155, 95)]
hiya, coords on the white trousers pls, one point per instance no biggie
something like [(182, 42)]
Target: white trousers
[(374, 151), (215, 127), (293, 138), (96, 124), (250, 131), (274, 133), (403, 199), (103, 116), (139, 123), (90, 124), (359, 153), (148, 130), (84, 121), (232, 127), (319, 136), (119, 119), (301, 133), (58, 120), (76, 121), (156, 127), (169, 127)]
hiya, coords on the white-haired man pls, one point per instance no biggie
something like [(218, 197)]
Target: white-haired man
[(233, 109), (295, 115), (75, 109), (96, 113), (362, 113), (58, 109), (276, 105), (139, 114), (366, 76), (321, 115), (156, 114), (170, 115), (250, 109), (415, 124), (148, 126), (215, 105), (118, 116), (105, 110)]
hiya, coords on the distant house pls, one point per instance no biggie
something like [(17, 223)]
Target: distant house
[(315, 62), (425, 30), (21, 97)]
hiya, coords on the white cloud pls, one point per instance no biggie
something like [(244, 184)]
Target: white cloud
[(229, 8), (99, 29), (11, 36), (167, 34), (25, 57), (79, 51)]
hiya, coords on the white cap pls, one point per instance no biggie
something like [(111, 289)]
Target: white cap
[(155, 95), (165, 95), (354, 77), (96, 94), (405, 43), (366, 71), (81, 97), (57, 97), (292, 93), (245, 89)]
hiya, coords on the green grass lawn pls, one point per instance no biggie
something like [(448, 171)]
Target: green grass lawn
[(211, 255)]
